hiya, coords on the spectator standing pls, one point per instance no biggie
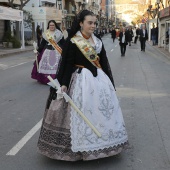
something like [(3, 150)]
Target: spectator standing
[(39, 35), (113, 34), (143, 37), (123, 38), (137, 35), (153, 35), (130, 35)]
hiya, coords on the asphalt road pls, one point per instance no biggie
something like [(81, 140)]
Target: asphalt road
[(142, 81)]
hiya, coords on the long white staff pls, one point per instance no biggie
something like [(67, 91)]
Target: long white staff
[(56, 85), (35, 51)]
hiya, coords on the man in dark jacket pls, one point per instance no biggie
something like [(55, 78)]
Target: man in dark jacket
[(143, 37), (123, 38), (113, 34), (153, 35), (130, 35), (137, 35)]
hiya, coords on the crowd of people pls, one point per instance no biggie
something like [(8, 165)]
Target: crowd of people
[(80, 64), (48, 57), (128, 35)]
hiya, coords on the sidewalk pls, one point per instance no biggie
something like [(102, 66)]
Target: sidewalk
[(160, 49), (10, 51)]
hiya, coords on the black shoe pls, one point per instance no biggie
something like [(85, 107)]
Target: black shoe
[(141, 50)]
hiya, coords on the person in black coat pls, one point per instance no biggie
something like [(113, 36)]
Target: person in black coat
[(143, 37), (113, 34), (123, 38), (137, 35), (153, 35), (39, 35), (130, 35)]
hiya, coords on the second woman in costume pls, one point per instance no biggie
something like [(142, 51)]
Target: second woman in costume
[(49, 53)]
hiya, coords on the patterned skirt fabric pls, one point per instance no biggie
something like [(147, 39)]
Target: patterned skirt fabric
[(64, 134)]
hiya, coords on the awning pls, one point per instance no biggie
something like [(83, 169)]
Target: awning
[(10, 14)]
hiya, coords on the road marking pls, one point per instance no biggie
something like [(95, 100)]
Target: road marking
[(18, 64), (112, 49), (24, 140), (3, 66)]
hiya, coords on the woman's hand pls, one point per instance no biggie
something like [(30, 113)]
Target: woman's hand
[(35, 52), (64, 88)]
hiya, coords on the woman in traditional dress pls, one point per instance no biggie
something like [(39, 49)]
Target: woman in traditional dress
[(49, 53), (85, 75)]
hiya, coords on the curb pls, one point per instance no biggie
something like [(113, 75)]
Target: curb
[(14, 52), (157, 48)]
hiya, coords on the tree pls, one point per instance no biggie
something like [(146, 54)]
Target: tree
[(28, 20), (20, 7)]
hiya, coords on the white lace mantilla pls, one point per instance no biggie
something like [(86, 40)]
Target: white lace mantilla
[(97, 42), (96, 98), (57, 36)]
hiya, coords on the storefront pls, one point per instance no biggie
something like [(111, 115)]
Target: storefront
[(164, 31), (11, 15)]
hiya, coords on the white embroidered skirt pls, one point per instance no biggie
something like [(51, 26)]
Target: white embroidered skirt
[(65, 135), (96, 98)]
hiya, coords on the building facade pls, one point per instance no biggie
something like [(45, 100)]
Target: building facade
[(6, 25), (164, 28), (63, 12)]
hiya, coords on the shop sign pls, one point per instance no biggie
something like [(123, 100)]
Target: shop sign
[(41, 11), (165, 12)]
